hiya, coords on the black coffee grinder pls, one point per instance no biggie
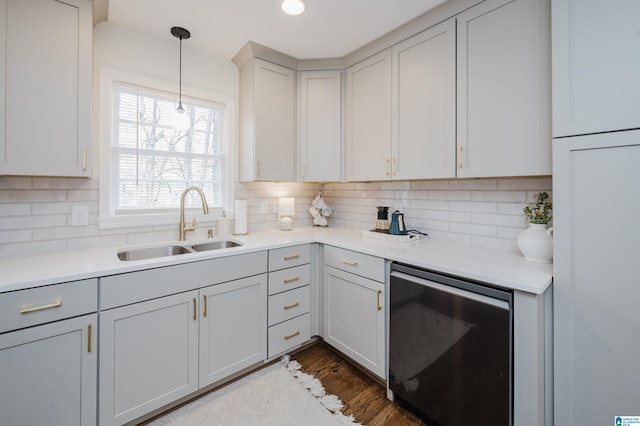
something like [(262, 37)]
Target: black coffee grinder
[(382, 224)]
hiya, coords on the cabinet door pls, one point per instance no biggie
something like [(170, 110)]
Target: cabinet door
[(595, 277), (354, 318), (595, 66), (149, 356), (320, 131), (504, 89), (233, 327), (274, 122), (368, 115), (424, 104), (45, 95), (48, 374)]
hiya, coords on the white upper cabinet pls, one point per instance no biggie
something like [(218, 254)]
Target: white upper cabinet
[(320, 126), (45, 87), (596, 66), (504, 89), (368, 119), (424, 104), (267, 122)]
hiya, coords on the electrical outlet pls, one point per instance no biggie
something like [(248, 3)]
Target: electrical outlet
[(79, 215)]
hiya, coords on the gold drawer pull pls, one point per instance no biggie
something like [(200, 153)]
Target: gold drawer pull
[(195, 308), (55, 304), (89, 338), (459, 156), (295, 256), (291, 280), (204, 300), (379, 305), (350, 262), (295, 305), (292, 335)]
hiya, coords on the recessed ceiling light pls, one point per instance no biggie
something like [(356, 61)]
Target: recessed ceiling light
[(292, 7)]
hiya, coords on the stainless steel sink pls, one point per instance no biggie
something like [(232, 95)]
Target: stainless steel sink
[(215, 245), (173, 250), (151, 252)]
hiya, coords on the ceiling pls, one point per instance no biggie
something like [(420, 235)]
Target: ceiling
[(327, 29)]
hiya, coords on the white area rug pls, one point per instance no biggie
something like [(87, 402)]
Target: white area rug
[(277, 395)]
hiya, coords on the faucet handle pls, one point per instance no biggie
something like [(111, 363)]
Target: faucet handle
[(193, 224)]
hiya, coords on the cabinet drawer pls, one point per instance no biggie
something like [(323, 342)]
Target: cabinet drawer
[(26, 308), (288, 279), (289, 304), (289, 256), (357, 263), (289, 334), (133, 287)]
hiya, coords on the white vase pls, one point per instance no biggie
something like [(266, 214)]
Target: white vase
[(536, 243)]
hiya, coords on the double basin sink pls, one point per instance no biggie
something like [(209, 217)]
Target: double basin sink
[(174, 250)]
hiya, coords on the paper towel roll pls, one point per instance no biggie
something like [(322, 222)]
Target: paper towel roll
[(241, 218)]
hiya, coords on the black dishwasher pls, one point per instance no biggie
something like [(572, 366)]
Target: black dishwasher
[(450, 348)]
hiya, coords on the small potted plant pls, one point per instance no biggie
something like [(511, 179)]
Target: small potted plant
[(536, 242)]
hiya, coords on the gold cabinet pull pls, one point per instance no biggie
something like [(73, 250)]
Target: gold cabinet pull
[(393, 166), (379, 305), (204, 302), (350, 262), (89, 338), (459, 156), (293, 305), (292, 335), (291, 280), (194, 309), (294, 256), (386, 167), (55, 304), (84, 158)]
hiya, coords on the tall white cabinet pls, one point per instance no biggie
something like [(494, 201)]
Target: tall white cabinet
[(368, 119), (45, 87), (504, 89), (423, 104), (267, 122), (596, 179), (320, 126)]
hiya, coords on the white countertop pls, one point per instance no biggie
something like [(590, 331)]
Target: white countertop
[(498, 267)]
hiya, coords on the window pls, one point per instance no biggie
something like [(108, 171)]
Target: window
[(150, 163)]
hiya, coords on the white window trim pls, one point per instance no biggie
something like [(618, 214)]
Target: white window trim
[(108, 221)]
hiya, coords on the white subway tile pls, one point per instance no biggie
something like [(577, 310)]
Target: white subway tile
[(24, 249), (35, 196), (450, 216), (473, 184), (15, 209), (450, 195), (13, 183), (473, 229), (500, 220), (428, 185), (32, 222), (472, 206), (19, 236), (499, 196), (528, 184)]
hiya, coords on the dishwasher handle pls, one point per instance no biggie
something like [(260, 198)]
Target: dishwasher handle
[(452, 290)]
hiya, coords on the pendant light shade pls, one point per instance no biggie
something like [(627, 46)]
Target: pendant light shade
[(181, 119), (292, 7)]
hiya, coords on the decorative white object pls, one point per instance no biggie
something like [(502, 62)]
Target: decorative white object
[(240, 227), (319, 210), (536, 243), (286, 208)]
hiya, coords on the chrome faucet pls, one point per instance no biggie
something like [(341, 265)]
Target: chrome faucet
[(182, 229)]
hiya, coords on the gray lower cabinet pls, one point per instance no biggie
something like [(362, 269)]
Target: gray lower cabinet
[(156, 351), (48, 355), (354, 307)]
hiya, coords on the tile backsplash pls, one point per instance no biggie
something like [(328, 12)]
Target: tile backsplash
[(35, 213)]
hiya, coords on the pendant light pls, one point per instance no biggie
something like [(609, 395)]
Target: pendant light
[(181, 120), (292, 7)]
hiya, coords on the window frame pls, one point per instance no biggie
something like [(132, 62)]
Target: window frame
[(107, 219)]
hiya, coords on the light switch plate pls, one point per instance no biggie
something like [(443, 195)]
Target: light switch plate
[(79, 215)]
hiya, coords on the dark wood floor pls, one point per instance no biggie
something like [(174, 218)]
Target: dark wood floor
[(363, 397)]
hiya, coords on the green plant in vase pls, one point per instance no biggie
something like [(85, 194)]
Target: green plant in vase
[(536, 242), (540, 212)]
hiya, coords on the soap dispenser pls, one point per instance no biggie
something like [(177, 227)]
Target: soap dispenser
[(223, 225)]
